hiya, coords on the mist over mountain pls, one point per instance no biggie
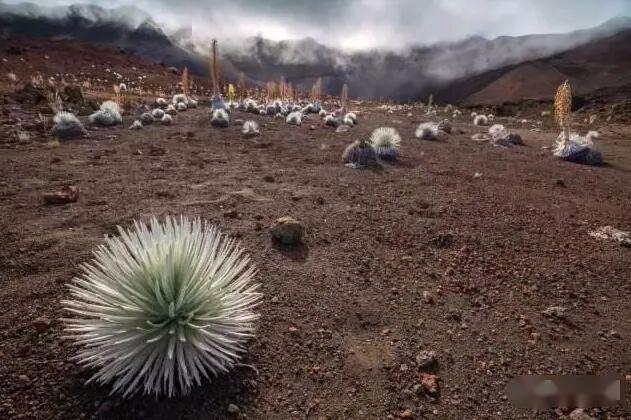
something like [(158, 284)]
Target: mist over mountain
[(410, 74)]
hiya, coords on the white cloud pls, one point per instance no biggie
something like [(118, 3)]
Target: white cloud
[(361, 24)]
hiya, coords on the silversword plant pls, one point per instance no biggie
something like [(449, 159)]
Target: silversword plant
[(162, 306)]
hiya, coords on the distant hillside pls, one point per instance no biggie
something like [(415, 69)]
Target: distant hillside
[(597, 65)]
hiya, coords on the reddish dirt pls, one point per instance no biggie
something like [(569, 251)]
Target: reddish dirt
[(77, 62), (533, 81), (494, 251), (344, 316)]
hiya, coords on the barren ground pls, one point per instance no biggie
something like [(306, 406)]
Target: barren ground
[(494, 251)]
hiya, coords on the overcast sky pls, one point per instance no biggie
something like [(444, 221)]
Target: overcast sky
[(361, 24)]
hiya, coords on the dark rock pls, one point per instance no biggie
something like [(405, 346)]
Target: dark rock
[(72, 94), (41, 324), (69, 194), (232, 214), (429, 382), (157, 151), (443, 240), (287, 231), (31, 95)]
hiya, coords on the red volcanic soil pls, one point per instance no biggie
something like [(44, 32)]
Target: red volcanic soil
[(419, 255), (528, 81), (76, 62)]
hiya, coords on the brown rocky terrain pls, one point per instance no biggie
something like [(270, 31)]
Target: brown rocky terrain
[(460, 249)]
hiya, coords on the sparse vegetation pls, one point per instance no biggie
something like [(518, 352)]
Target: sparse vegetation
[(294, 118), (250, 129), (67, 126), (220, 118), (157, 113), (427, 131), (571, 146), (136, 125), (108, 115), (563, 109), (166, 119), (359, 155), (386, 141), (480, 120)]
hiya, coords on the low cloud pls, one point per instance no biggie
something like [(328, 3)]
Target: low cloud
[(365, 24)]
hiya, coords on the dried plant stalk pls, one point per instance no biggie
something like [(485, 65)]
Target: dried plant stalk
[(185, 82), (563, 108), (117, 94), (282, 87), (344, 96), (318, 88), (214, 66), (231, 92), (271, 90), (430, 101), (241, 85), (290, 91)]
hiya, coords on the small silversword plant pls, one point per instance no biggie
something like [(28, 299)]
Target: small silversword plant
[(162, 306)]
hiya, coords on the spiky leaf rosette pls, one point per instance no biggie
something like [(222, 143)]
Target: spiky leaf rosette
[(67, 126), (359, 154), (162, 306), (427, 131), (385, 136), (386, 142)]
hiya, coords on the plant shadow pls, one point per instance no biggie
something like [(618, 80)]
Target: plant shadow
[(208, 401), (298, 252)]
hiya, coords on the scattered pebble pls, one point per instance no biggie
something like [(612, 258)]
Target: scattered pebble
[(288, 231), (68, 194), (425, 358), (157, 151), (406, 414), (555, 312), (580, 414), (429, 382), (428, 297), (232, 214), (41, 324)]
